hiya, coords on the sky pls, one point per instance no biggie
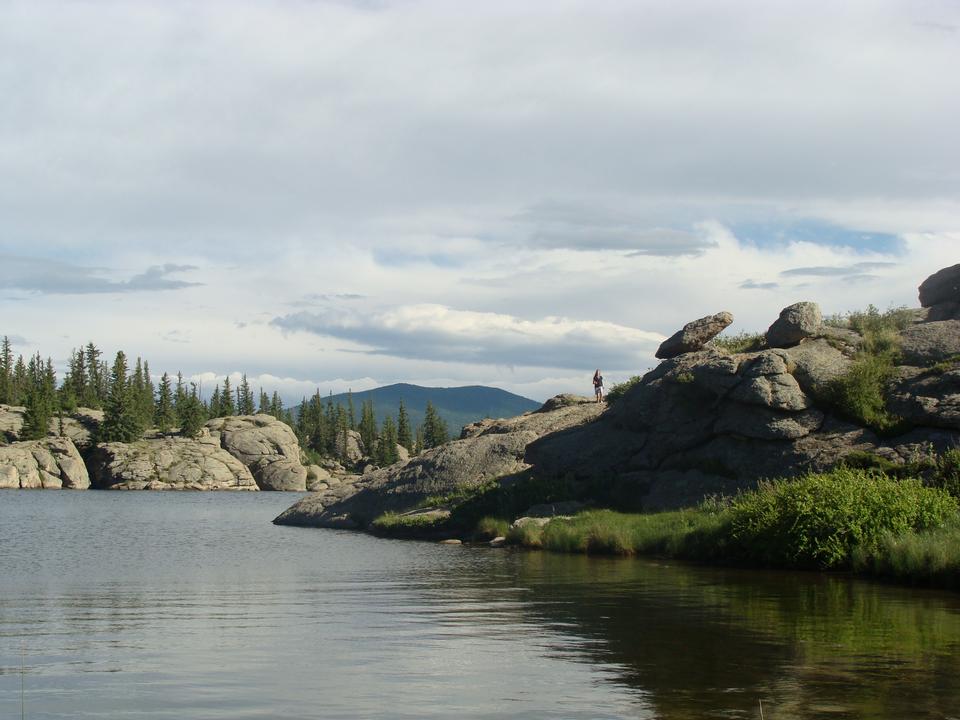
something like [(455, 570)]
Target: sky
[(334, 195)]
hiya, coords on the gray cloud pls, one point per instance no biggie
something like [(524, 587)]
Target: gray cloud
[(54, 277), (566, 225), (754, 285), (856, 269), (439, 334)]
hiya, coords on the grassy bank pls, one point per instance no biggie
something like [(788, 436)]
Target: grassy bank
[(848, 519)]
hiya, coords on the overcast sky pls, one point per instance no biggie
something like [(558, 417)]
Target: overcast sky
[(349, 194)]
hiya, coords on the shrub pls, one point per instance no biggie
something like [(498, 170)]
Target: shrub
[(818, 520), (928, 558), (861, 393), (620, 389), (742, 342), (528, 535)]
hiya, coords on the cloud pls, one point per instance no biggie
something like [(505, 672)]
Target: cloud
[(439, 333), (54, 277), (845, 271), (754, 285), (577, 227)]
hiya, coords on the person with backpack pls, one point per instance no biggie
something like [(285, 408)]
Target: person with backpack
[(598, 385)]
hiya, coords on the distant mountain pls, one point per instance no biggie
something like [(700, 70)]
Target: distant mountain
[(459, 406)]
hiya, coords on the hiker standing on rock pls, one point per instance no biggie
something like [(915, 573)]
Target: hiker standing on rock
[(598, 385)]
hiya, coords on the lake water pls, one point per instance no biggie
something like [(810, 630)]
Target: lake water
[(194, 606)]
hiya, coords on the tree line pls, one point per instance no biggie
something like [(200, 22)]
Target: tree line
[(132, 404)]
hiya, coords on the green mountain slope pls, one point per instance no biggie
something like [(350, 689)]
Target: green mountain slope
[(458, 406)]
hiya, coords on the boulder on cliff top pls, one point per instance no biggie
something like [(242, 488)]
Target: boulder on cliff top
[(941, 287), (168, 463), (694, 335), (796, 322), (268, 447), (47, 463)]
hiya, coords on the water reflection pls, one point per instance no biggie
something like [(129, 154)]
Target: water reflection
[(196, 606)]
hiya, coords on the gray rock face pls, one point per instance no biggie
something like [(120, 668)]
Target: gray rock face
[(173, 463), (796, 322), (694, 335), (943, 311), (941, 287), (266, 446), (49, 463), (816, 364), (930, 342), (930, 399), (495, 450)]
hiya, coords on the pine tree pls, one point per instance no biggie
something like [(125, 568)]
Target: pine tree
[(193, 415), (164, 416), (92, 395), (244, 397), (264, 408), (120, 420), (6, 370), (404, 436), (342, 432), (227, 408), (20, 382), (418, 440), (435, 432), (215, 406), (387, 447), (276, 405), (329, 427), (351, 413), (368, 428), (149, 403), (39, 399), (179, 395)]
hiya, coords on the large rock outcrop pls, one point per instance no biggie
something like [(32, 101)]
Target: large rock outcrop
[(266, 446), (487, 450), (168, 463), (79, 426), (48, 463)]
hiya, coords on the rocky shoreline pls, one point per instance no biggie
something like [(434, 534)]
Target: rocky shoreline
[(706, 422)]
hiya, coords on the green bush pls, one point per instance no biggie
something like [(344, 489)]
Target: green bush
[(818, 520), (740, 343), (620, 389), (927, 558), (861, 393)]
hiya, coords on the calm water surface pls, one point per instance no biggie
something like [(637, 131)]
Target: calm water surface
[(194, 606)]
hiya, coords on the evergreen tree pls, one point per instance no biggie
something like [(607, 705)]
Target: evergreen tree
[(418, 441), (264, 408), (179, 396), (149, 403), (92, 395), (302, 426), (276, 405), (351, 413), (39, 399), (387, 447), (193, 415), (227, 408), (329, 428), (435, 432), (342, 433), (20, 383), (121, 422), (215, 407), (404, 436), (6, 371), (244, 397), (368, 428), (165, 417)]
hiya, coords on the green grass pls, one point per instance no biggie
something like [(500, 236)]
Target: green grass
[(845, 519), (742, 342), (489, 528), (391, 522)]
